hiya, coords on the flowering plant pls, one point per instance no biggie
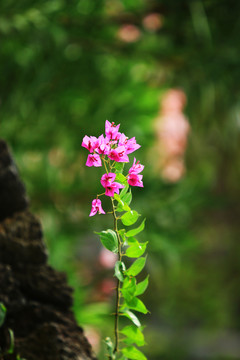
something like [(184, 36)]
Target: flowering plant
[(112, 152)]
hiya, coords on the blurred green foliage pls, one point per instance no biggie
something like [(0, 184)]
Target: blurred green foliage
[(64, 71)]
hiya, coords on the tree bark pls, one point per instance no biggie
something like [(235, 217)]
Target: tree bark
[(37, 297)]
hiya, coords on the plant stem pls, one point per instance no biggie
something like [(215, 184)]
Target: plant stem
[(118, 294)]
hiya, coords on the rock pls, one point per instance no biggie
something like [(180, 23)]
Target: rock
[(37, 297)]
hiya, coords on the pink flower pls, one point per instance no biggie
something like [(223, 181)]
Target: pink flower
[(103, 145), (136, 168), (107, 179), (111, 130), (96, 207), (135, 180), (90, 143), (118, 154), (131, 145), (113, 188), (93, 160)]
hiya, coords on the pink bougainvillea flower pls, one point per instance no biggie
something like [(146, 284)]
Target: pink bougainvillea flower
[(135, 180), (118, 154), (90, 143), (93, 160), (111, 130), (122, 139), (96, 207), (136, 167), (113, 188), (103, 145), (108, 179), (131, 145)]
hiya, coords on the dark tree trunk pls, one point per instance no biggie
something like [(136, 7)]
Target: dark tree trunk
[(37, 298)]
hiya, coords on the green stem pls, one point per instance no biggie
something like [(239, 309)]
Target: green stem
[(118, 293)]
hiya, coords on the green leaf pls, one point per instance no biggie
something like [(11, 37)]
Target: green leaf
[(130, 315), (128, 288), (133, 353), (129, 218), (11, 347), (122, 206), (127, 198), (119, 167), (110, 349), (109, 240), (136, 267), (119, 270), (133, 334), (137, 305), (142, 286), (120, 178), (3, 311), (136, 231), (124, 191), (136, 250)]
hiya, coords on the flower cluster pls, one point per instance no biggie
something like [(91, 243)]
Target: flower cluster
[(112, 148)]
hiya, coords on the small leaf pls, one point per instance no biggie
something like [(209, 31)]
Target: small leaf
[(11, 346), (137, 305), (137, 266), (129, 287), (133, 334), (109, 240), (129, 218), (136, 250), (120, 178), (127, 198), (124, 191), (119, 167), (136, 231), (3, 311), (110, 349), (122, 206), (133, 353), (130, 315), (119, 270), (142, 286)]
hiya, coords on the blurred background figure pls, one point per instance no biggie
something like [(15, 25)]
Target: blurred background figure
[(172, 128)]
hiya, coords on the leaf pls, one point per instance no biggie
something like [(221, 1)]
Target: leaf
[(110, 349), (11, 346), (109, 240), (129, 218), (133, 353), (142, 286), (119, 167), (137, 266), (137, 305), (133, 334), (119, 270), (136, 250), (3, 311), (124, 190), (120, 178), (136, 231), (130, 315), (128, 288), (127, 198), (122, 206)]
